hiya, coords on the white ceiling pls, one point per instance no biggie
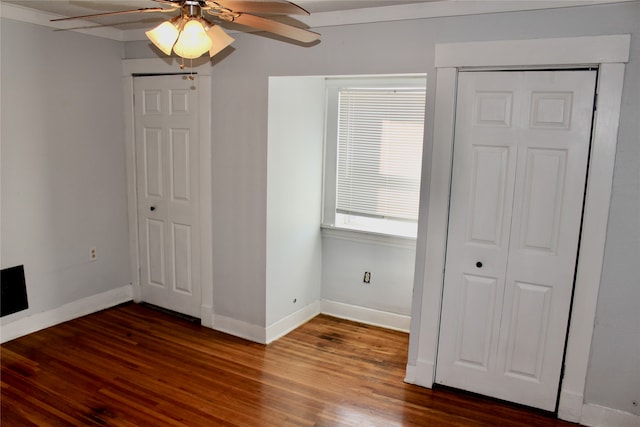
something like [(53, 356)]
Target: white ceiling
[(86, 7), (323, 12), (140, 21)]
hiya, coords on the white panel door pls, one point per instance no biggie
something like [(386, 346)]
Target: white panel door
[(166, 124), (519, 171)]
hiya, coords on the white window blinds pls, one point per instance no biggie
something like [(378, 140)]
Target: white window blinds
[(380, 134)]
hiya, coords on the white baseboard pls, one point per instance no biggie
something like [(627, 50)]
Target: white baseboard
[(283, 326), (384, 319), (260, 334), (601, 416), (82, 307), (72, 310), (238, 328), (292, 321)]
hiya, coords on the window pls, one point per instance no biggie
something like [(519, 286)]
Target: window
[(373, 152)]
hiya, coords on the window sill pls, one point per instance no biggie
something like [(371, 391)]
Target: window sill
[(368, 237)]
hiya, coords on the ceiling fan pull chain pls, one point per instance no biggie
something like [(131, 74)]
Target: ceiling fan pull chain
[(191, 75)]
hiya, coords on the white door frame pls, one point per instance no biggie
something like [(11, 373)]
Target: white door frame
[(131, 67), (609, 54)]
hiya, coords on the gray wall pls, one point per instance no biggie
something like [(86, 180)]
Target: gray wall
[(344, 263), (63, 164), (614, 370), (294, 193)]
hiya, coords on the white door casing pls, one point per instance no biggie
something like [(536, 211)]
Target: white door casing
[(134, 67), (609, 54), (166, 123), (519, 170)]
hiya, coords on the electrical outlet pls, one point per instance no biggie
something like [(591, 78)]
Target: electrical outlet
[(93, 254), (367, 277)]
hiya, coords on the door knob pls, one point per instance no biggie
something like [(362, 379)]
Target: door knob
[(479, 264), (152, 208)]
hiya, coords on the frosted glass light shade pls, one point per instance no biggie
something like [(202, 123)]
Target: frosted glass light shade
[(219, 39), (193, 41), (163, 36)]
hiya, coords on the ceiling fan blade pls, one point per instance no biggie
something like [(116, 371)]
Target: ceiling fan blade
[(261, 7), (285, 30), (122, 12)]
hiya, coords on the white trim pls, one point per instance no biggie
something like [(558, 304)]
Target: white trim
[(542, 52), (206, 198), (159, 66), (132, 214), (259, 334), (571, 408), (601, 416), (437, 220), (368, 237), (70, 311), (206, 316), (369, 316), (594, 231), (293, 321), (240, 329), (522, 53), (410, 374), (420, 373), (436, 9), (377, 228)]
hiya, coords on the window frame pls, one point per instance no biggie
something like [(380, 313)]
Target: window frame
[(329, 179)]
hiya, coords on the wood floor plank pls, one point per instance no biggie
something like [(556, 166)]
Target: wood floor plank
[(134, 366)]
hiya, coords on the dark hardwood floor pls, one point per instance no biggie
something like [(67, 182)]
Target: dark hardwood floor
[(134, 366)]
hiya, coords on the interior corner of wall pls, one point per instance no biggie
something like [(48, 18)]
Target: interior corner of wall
[(136, 293), (34, 322), (239, 328), (287, 324)]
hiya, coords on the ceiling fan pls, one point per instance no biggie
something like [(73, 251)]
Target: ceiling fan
[(189, 35)]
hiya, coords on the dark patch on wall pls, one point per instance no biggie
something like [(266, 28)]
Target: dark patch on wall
[(13, 290)]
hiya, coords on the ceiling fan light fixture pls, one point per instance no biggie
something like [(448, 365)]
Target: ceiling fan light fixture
[(164, 36), (193, 41), (219, 39), (191, 36)]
